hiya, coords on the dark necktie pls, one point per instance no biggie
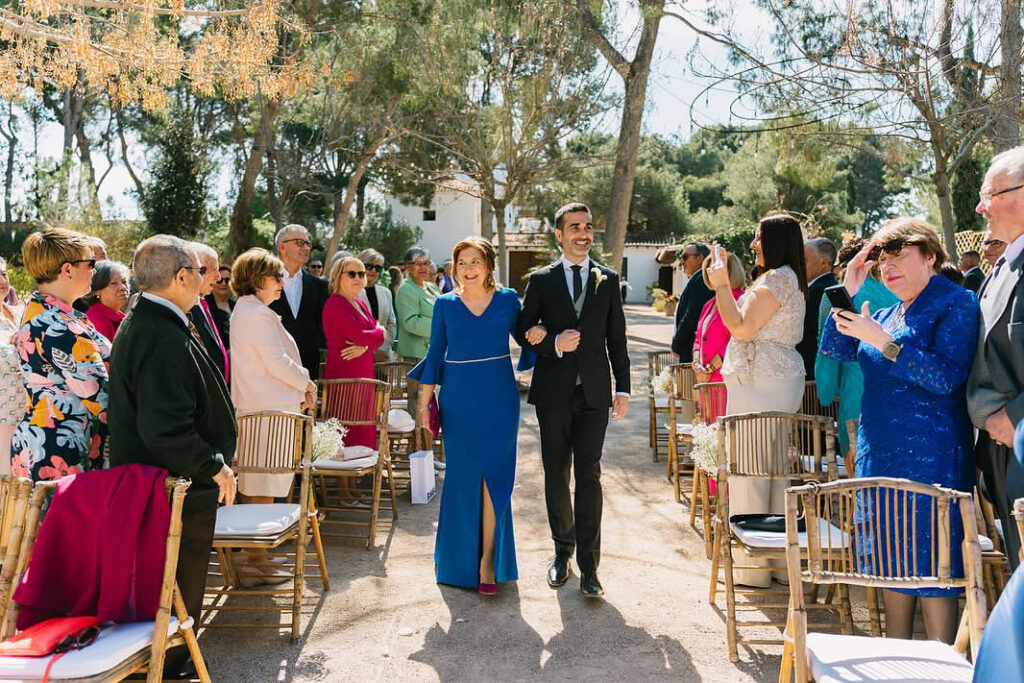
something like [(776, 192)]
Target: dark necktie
[(998, 266), (195, 334), (577, 283)]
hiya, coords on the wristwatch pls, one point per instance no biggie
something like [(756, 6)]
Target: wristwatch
[(891, 350)]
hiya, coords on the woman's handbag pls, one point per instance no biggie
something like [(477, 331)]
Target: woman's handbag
[(56, 636)]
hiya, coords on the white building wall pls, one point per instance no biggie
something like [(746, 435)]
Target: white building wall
[(456, 216), (642, 270)]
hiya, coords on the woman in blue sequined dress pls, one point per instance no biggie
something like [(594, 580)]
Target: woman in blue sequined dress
[(469, 358), (915, 357)]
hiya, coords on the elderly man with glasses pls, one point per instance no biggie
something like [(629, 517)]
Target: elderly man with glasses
[(691, 301), (302, 306), (995, 389)]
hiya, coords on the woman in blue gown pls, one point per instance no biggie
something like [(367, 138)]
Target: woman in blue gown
[(915, 356), (479, 404)]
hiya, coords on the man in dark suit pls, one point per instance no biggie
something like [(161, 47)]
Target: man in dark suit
[(578, 303), (820, 256), (301, 305), (202, 317), (169, 406), (691, 301), (995, 388), (970, 266)]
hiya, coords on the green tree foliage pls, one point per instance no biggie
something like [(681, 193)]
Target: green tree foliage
[(174, 198), (380, 230), (966, 186)]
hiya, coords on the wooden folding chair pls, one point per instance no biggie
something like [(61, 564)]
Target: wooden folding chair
[(657, 406), (269, 442), (880, 518), (14, 495), (811, 406), (681, 413), (395, 373), (765, 447), (711, 399), (994, 564), (357, 402), (120, 650)]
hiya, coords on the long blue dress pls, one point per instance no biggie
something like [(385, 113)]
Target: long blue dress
[(479, 403), (914, 421)]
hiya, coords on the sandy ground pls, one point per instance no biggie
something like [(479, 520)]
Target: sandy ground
[(385, 619)]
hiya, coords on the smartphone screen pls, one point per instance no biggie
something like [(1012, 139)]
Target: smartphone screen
[(840, 298)]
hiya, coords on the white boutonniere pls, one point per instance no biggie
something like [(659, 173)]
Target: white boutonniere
[(599, 277)]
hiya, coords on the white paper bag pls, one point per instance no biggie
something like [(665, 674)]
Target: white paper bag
[(424, 484)]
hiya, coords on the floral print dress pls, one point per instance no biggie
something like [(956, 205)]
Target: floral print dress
[(63, 362)]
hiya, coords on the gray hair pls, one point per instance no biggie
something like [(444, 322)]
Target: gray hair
[(158, 259), (205, 251), (101, 277), (338, 255), (823, 246), (283, 232), (414, 253), (370, 256)]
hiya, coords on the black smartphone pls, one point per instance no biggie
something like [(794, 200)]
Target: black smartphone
[(840, 298)]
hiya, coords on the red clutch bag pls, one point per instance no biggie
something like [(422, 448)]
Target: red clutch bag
[(54, 636)]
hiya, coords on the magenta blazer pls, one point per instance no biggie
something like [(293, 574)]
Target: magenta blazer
[(712, 335)]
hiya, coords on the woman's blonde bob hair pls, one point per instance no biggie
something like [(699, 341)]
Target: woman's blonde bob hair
[(737, 276), (45, 253), (338, 269), (251, 268), (490, 259), (914, 232)]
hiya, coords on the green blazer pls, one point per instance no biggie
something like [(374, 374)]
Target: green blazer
[(169, 406), (414, 306)]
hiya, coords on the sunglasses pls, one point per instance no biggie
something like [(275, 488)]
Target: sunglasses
[(199, 269), (278, 276), (225, 280), (892, 247), (369, 266), (361, 274), (90, 261), (79, 640), (316, 266)]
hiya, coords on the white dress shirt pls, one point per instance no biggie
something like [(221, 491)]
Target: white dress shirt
[(293, 290), (584, 273), (167, 303), (1013, 249)]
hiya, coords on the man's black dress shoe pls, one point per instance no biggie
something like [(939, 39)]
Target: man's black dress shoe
[(590, 587), (558, 571)]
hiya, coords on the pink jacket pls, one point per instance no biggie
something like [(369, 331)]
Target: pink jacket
[(712, 336), (266, 369)]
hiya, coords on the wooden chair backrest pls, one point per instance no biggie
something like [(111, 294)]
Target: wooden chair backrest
[(14, 494), (683, 381), (758, 446), (811, 406), (881, 518), (658, 361), (395, 373), (272, 442), (711, 401), (354, 402)]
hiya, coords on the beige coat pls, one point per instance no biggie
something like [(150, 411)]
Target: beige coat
[(266, 374)]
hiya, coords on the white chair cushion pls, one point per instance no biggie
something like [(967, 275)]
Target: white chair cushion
[(355, 464), (773, 539), (115, 643), (661, 401), (682, 428), (986, 544), (400, 421), (255, 519), (808, 464), (841, 659)]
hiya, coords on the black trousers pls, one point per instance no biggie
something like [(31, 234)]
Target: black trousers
[(1003, 482), (571, 440), (193, 565)]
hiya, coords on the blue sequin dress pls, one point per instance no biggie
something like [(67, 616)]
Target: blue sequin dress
[(469, 358), (914, 421)]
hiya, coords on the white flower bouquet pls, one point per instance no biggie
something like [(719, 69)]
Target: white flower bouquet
[(328, 439), (662, 383), (704, 447)]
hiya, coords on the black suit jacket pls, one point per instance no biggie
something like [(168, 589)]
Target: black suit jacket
[(602, 326), (973, 279), (808, 346), (307, 329), (168, 405), (691, 302), (221, 318), (206, 334)]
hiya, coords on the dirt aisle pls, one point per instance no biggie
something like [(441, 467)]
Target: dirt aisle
[(384, 618)]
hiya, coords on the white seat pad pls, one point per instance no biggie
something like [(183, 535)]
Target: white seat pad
[(986, 544), (682, 428), (116, 643), (773, 539), (400, 421), (255, 519), (354, 464), (841, 659), (661, 401), (808, 464)]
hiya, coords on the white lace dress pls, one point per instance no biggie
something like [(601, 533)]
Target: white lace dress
[(13, 398)]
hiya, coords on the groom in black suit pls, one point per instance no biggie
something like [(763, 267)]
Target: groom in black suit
[(579, 304)]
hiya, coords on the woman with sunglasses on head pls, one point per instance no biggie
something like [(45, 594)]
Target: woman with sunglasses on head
[(378, 298), (915, 356), (266, 374), (63, 360)]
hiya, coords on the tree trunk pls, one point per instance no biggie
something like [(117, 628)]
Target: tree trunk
[(241, 234), (498, 207), (12, 146), (486, 220), (1006, 131), (273, 201), (85, 156), (941, 180), (341, 213), (119, 118)]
